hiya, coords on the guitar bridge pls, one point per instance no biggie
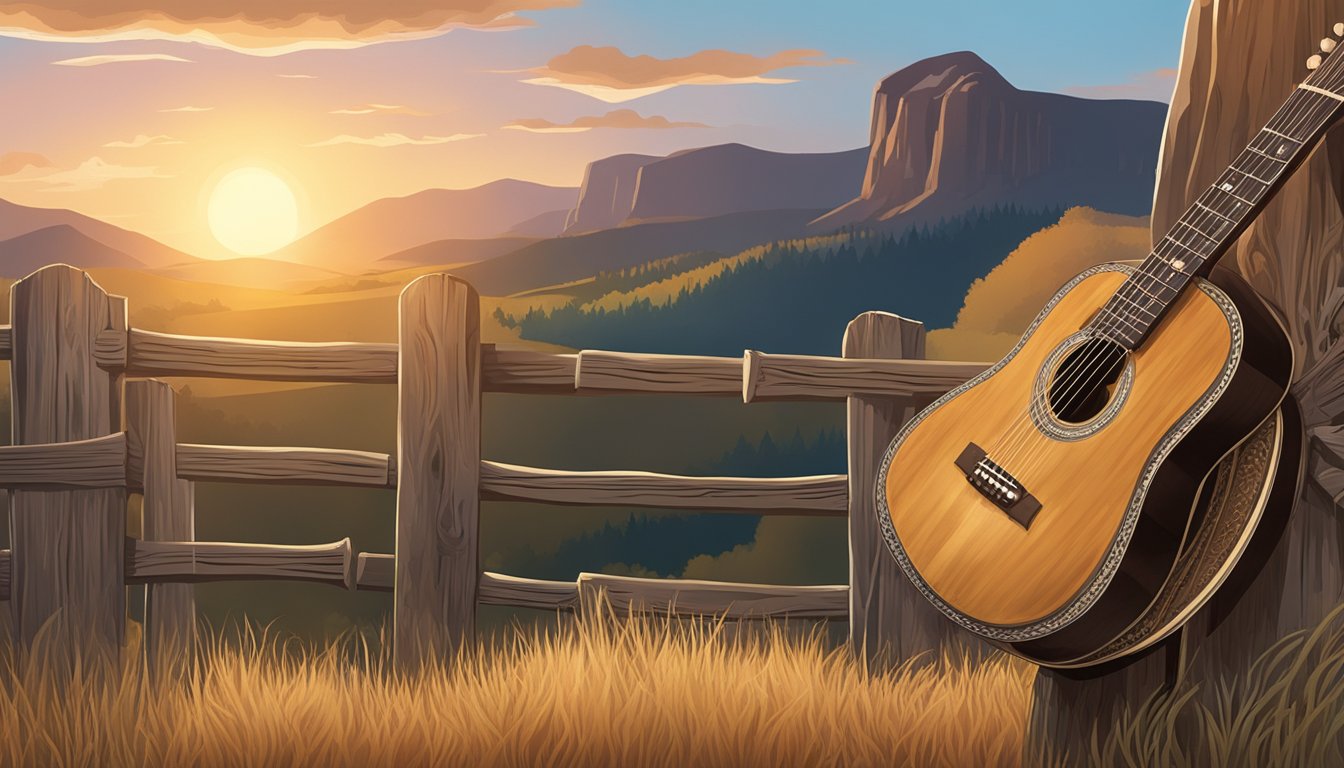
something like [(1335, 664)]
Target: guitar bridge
[(998, 485)]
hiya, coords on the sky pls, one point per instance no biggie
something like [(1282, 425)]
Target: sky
[(134, 113)]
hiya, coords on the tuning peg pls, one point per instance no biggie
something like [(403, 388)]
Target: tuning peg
[(1314, 61), (1328, 44), (1339, 29)]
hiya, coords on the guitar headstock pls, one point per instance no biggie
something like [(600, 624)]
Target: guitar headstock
[(1328, 45)]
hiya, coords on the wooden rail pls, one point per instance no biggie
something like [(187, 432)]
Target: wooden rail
[(164, 354), (624, 594), (299, 466), (756, 376), (817, 495), (99, 462), (200, 561)]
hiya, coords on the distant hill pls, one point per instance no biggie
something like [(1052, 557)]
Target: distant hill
[(562, 259), (712, 181), (394, 224), (949, 134), (63, 244), (454, 252), (16, 220), (249, 272)]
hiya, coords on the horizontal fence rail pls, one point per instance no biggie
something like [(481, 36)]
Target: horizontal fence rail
[(818, 495), (625, 594), (201, 561), (99, 462), (755, 377)]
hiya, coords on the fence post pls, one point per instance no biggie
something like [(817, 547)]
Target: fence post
[(889, 621), (68, 546), (169, 515), (438, 470)]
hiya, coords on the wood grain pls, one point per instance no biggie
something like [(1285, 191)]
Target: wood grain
[(98, 462), (526, 371), (439, 454), (6, 563), (165, 354), (67, 545), (6, 342), (974, 556), (815, 495), (807, 377), (627, 372), (169, 514), (282, 465), (890, 623), (685, 597), (191, 562)]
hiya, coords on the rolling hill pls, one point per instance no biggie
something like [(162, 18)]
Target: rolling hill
[(16, 220), (60, 243), (362, 237)]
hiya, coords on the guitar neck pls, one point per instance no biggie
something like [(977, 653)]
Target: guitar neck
[(1212, 224)]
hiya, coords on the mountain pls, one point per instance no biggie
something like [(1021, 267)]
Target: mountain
[(60, 243), (394, 224), (562, 259), (16, 220), (950, 133), (712, 181), (607, 195), (454, 251)]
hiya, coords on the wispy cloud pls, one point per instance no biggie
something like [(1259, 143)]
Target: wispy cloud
[(380, 109), (118, 58), (393, 140), (1154, 85), (94, 173), (14, 162), (187, 109), (297, 76), (143, 140), (609, 74), (268, 28), (619, 118)]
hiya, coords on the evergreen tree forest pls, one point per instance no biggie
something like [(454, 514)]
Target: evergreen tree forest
[(796, 298)]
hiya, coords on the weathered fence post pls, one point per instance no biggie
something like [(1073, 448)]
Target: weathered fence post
[(67, 569), (169, 515), (438, 469), (889, 622)]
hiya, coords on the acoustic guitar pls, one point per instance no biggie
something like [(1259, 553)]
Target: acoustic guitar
[(1046, 503)]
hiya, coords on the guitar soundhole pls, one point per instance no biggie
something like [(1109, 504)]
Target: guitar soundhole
[(1085, 380)]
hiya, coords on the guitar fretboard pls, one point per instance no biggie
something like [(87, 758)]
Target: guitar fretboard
[(1210, 226)]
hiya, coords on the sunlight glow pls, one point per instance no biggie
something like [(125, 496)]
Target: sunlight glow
[(252, 211)]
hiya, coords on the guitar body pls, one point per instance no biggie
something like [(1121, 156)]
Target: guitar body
[(1045, 503)]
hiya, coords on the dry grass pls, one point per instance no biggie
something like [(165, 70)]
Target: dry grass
[(652, 693)]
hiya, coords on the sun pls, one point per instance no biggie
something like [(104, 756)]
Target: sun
[(252, 211)]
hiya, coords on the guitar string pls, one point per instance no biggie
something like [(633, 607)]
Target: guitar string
[(1198, 218), (1285, 119)]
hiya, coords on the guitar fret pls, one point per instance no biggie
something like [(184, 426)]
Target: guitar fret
[(1267, 156), (1192, 228), (1282, 135), (1232, 195), (1215, 213)]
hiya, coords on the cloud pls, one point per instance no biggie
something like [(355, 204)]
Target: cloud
[(617, 118), (393, 140), (609, 74), (381, 109), (14, 162), (143, 140), (94, 173), (116, 58), (299, 76), (1154, 85), (187, 109), (263, 27)]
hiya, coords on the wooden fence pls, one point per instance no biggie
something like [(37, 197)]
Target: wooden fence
[(90, 426)]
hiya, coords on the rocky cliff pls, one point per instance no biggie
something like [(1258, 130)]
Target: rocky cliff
[(712, 181), (950, 133)]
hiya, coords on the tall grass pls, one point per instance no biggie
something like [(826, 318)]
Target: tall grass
[(646, 693)]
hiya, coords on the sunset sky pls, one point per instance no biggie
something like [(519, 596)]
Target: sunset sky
[(133, 113)]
